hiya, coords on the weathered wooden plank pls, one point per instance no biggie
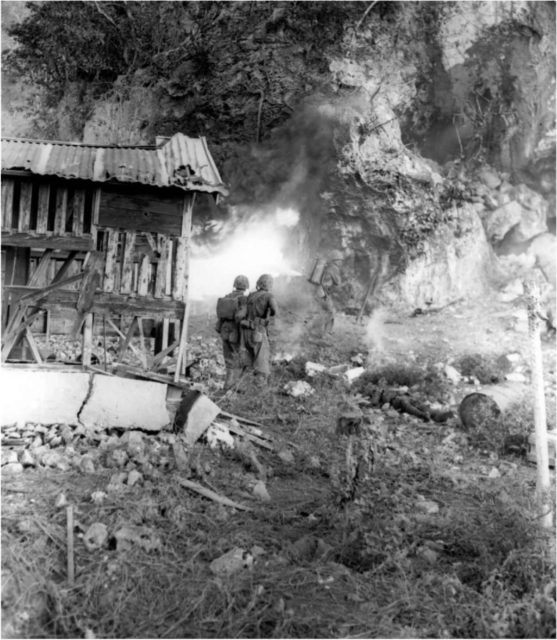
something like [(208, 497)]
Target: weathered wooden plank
[(169, 264), (186, 236), (160, 277), (36, 241), (87, 342), (127, 266), (144, 276), (179, 269), (111, 262), (61, 210), (78, 212), (7, 203), (39, 276), (140, 216), (106, 302), (33, 346), (42, 208), (25, 198), (95, 213)]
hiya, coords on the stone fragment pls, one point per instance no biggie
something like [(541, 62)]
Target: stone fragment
[(494, 473), (452, 374), (87, 464), (118, 457), (515, 376), (353, 374), (299, 389), (194, 415), (427, 506), (66, 433), (98, 497), (219, 436), (61, 501), (260, 491), (134, 477), (314, 368), (429, 555), (95, 536), (116, 483), (12, 468), (8, 456), (27, 459), (286, 456), (180, 456), (231, 562), (144, 537), (134, 443), (55, 460)]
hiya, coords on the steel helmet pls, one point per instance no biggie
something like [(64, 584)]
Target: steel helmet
[(241, 283), (335, 255), (265, 282)]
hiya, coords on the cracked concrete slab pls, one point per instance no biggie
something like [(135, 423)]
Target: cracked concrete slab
[(46, 397), (125, 403)]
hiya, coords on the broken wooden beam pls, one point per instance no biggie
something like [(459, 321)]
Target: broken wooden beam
[(212, 495)]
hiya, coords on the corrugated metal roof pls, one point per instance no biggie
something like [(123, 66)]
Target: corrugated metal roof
[(179, 161)]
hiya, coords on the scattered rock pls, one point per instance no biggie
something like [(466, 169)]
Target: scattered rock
[(61, 501), (54, 460), (95, 536), (452, 374), (299, 389), (144, 537), (66, 433), (218, 435), (427, 506), (27, 459), (286, 456), (429, 555), (494, 473), (9, 456), (231, 562), (87, 464), (133, 441), (353, 374), (12, 468), (314, 368), (117, 458), (180, 456), (133, 477), (98, 497), (116, 483), (260, 491)]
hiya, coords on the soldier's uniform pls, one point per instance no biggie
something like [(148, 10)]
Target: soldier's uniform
[(261, 306), (329, 280), (230, 334)]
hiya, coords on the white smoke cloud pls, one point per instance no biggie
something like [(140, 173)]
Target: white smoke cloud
[(252, 248), (375, 333)]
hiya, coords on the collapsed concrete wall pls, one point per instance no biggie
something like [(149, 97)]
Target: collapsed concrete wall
[(93, 400)]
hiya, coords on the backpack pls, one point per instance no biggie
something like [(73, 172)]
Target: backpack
[(231, 308)]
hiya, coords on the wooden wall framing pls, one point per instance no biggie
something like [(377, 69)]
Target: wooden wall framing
[(137, 237)]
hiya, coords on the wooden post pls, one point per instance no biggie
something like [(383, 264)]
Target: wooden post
[(186, 236), (87, 348), (542, 454)]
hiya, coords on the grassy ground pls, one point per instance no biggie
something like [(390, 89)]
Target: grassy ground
[(433, 544)]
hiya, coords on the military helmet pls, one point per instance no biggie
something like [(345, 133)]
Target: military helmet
[(335, 254), (265, 282), (241, 283)]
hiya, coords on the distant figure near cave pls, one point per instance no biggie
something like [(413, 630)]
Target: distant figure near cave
[(326, 278)]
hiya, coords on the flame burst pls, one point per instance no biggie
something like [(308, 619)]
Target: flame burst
[(253, 248)]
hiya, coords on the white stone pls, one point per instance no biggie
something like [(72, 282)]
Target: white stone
[(44, 397), (299, 389), (126, 403), (8, 456), (353, 374), (314, 368), (133, 477), (452, 374), (12, 468), (218, 435), (95, 536), (494, 473), (26, 459), (516, 377), (135, 446)]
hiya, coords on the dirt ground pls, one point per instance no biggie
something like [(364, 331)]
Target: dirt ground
[(436, 535)]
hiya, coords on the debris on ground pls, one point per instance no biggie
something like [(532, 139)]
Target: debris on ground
[(299, 389)]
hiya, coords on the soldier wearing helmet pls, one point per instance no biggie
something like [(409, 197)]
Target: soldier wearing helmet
[(230, 310), (329, 281), (261, 306)]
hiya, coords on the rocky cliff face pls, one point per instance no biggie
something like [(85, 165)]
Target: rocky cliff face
[(425, 131)]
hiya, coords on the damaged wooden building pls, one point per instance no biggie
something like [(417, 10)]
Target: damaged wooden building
[(98, 238)]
